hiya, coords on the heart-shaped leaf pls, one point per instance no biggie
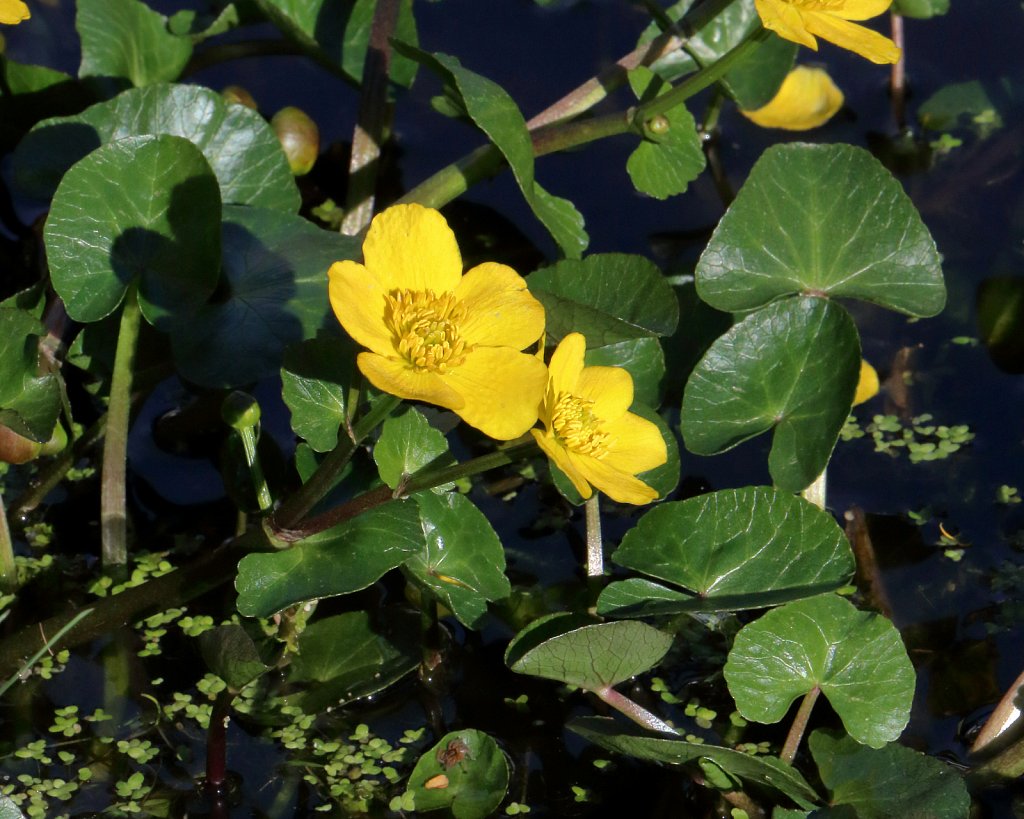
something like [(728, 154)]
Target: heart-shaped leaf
[(144, 209), (349, 656), (341, 560), (739, 549), (821, 219), (231, 654), (460, 559), (495, 113), (407, 443), (315, 378), (274, 294), (29, 403), (126, 39), (237, 142), (609, 297), (855, 658), (890, 781), (465, 772), (766, 771), (792, 366), (574, 649)]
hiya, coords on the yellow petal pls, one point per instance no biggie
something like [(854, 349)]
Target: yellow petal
[(861, 9), (610, 388), (806, 99), (567, 363), (785, 20), (863, 41), (636, 445), (410, 247), (500, 312), (501, 390), (617, 485), (13, 12), (557, 453), (395, 376), (358, 302), (867, 384)]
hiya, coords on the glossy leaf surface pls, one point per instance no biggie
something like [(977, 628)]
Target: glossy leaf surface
[(855, 658), (407, 443), (465, 772), (643, 358), (791, 367), (315, 378), (826, 219), (29, 403)]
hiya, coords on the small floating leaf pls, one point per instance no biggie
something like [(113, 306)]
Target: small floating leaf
[(465, 772)]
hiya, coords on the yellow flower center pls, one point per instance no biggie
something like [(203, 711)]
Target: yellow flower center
[(576, 426), (426, 328)]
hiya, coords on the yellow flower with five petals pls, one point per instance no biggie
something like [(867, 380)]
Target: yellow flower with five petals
[(803, 20), (436, 335), (13, 12), (589, 432)]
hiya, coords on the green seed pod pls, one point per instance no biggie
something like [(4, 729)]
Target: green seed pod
[(240, 411), (657, 126), (299, 137), (16, 449), (239, 96)]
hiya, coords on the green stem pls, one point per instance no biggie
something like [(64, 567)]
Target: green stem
[(252, 460), (595, 544), (474, 466), (113, 517), (321, 481), (46, 646), (637, 713), (455, 179), (8, 568), (799, 726)]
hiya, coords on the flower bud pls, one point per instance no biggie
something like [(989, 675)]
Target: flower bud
[(299, 137)]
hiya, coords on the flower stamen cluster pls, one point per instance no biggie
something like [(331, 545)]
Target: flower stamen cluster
[(426, 328), (577, 428)]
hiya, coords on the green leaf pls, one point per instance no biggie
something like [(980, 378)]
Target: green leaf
[(821, 219), (495, 113), (35, 92), (739, 548), (475, 775), (670, 156), (766, 771), (407, 443), (337, 33), (855, 658), (757, 79), (981, 106), (237, 142), (341, 560), (350, 656), (609, 297), (9, 810), (920, 9), (230, 653), (887, 782), (642, 358), (791, 367), (144, 209), (315, 377), (461, 559), (273, 294), (126, 40), (574, 649), (1000, 320), (29, 403)]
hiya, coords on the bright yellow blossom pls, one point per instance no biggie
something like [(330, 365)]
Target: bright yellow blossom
[(13, 12), (806, 99), (867, 383), (589, 433), (802, 20), (437, 335)]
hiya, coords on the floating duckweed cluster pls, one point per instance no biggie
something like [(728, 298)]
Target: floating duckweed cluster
[(148, 565), (919, 438)]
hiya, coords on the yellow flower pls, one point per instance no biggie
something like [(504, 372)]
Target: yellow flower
[(806, 99), (867, 383), (13, 12), (802, 20), (436, 335), (589, 433)]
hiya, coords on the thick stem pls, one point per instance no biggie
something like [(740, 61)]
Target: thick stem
[(898, 80), (796, 730), (252, 461), (216, 744), (637, 713), (113, 516), (595, 544), (8, 568), (1006, 716), (372, 121), (454, 180)]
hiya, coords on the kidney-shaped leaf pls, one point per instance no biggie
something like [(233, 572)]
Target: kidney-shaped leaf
[(341, 560), (792, 366), (29, 402), (465, 772), (275, 294), (767, 771), (744, 548), (855, 658), (826, 219), (460, 558), (890, 781), (144, 209), (576, 650), (238, 143)]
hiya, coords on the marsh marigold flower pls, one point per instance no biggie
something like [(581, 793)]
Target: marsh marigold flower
[(803, 20), (437, 335), (13, 12), (806, 99), (589, 433)]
